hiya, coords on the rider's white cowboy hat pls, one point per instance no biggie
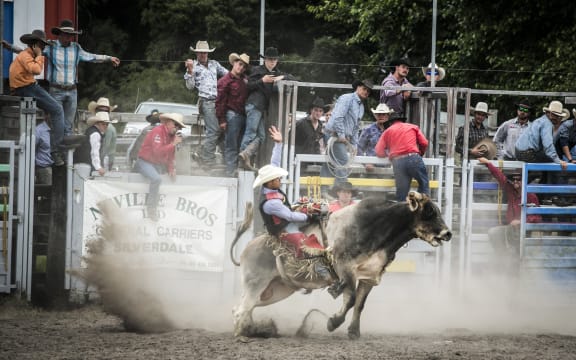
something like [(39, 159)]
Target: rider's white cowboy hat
[(202, 46), (267, 173), (556, 108), (176, 117), (439, 70), (100, 116)]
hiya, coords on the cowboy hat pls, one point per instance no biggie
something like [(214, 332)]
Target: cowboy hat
[(525, 103), (154, 117), (101, 103), (343, 186), (317, 103), (232, 58), (270, 53), (382, 109), (487, 146), (438, 71), (176, 117), (397, 116), (67, 27), (398, 62), (267, 173), (481, 107), (574, 112), (366, 82), (202, 46), (37, 35), (556, 108), (100, 116)]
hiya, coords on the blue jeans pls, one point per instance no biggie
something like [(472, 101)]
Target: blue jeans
[(47, 103), (339, 156), (213, 131), (69, 101), (151, 172), (255, 131), (408, 168), (236, 123)]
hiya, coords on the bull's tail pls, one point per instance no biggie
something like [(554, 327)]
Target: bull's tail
[(248, 216)]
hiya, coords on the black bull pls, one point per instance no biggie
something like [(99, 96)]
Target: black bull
[(364, 240)]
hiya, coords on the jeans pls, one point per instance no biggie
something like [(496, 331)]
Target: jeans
[(407, 168), (69, 101), (255, 131), (151, 172), (47, 103), (236, 123), (338, 155), (213, 131)]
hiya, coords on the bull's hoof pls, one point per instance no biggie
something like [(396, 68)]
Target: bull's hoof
[(334, 323), (353, 334)]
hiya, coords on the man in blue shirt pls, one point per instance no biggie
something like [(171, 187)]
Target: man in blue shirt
[(43, 168)]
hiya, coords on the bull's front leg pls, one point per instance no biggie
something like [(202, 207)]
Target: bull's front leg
[(242, 315), (348, 301), (362, 292)]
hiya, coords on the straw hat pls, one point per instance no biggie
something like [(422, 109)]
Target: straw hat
[(488, 147), (100, 116), (440, 71), (267, 173), (382, 109), (101, 103), (202, 46), (556, 108), (176, 117), (242, 57), (481, 107)]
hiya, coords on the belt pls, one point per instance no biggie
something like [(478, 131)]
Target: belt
[(64, 87), (404, 155)]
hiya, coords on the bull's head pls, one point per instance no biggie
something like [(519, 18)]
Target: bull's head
[(428, 223)]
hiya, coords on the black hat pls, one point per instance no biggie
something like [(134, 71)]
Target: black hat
[(366, 82), (36, 36), (525, 103), (67, 27), (400, 61), (317, 103), (343, 186), (154, 117), (397, 116), (270, 52)]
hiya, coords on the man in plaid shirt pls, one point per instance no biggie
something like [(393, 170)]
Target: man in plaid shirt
[(477, 131)]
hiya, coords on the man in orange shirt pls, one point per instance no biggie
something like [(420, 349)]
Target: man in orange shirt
[(29, 63), (404, 144)]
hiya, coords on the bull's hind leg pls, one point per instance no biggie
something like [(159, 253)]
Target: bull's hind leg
[(362, 292), (348, 301), (254, 296)]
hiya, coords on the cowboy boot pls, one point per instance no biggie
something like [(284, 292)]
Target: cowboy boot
[(246, 155)]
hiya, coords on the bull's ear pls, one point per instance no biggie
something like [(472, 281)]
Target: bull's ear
[(413, 200)]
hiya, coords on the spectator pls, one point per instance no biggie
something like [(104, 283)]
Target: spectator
[(344, 194), (438, 72), (343, 129), (395, 99), (536, 145), (567, 139), (43, 161), (309, 131), (371, 134), (232, 93), (510, 130), (506, 238), (261, 86), (29, 63), (156, 157), (89, 152), (405, 145), (109, 142), (203, 74), (153, 120), (477, 131)]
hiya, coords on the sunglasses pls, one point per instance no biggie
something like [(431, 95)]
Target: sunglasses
[(431, 72), (523, 109)]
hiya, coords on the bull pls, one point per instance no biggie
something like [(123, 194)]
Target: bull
[(364, 239)]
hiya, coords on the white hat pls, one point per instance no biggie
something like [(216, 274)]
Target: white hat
[(243, 57), (202, 46), (440, 70), (382, 109), (556, 108), (100, 116), (101, 103), (267, 173), (176, 117), (481, 107)]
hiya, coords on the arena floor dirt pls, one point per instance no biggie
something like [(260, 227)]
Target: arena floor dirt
[(90, 333)]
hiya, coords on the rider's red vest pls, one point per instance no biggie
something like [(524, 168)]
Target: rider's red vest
[(273, 223)]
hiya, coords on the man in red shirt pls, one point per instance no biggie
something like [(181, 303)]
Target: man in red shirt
[(404, 144), (232, 94), (156, 156)]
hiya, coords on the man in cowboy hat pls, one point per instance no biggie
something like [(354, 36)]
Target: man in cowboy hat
[(510, 130), (395, 99), (566, 142), (309, 131), (153, 120), (343, 129), (156, 157), (476, 131), (536, 144), (279, 219), (371, 134), (203, 74), (109, 142), (232, 94), (404, 144), (344, 193), (437, 72), (29, 63), (89, 151)]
